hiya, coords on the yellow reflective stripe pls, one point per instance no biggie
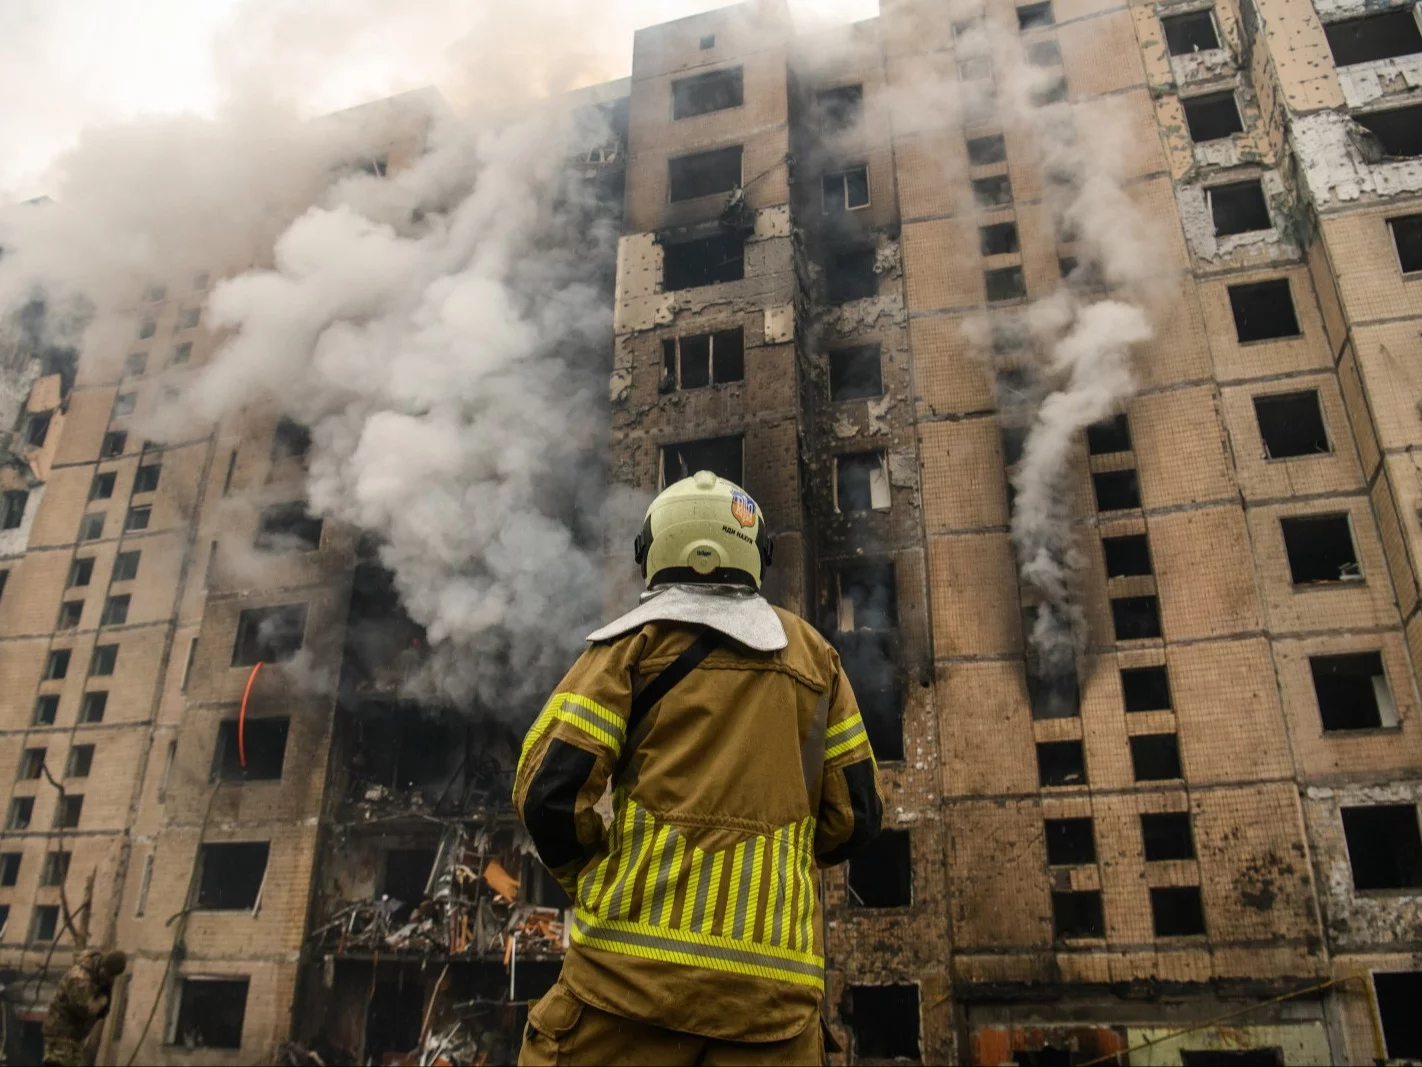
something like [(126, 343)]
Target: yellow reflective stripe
[(538, 729), (844, 724), (698, 950), (758, 847), (848, 740), (600, 723), (713, 896), (592, 883)]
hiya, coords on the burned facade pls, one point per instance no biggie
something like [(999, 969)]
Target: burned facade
[(1202, 818)]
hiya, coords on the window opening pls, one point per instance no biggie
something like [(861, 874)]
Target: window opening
[(992, 192), (68, 812), (57, 665), (92, 706), (881, 876), (720, 455), (1263, 311), (1136, 618), (707, 261), (1166, 836), (290, 440), (984, 151), (871, 665), (406, 874), (999, 239), (1070, 842), (102, 487), (124, 404), (115, 441), (707, 42), (1005, 283), (1398, 130), (288, 528), (1116, 490), (46, 710), (1155, 757), (56, 868), (12, 509), (271, 635), (1212, 117), (1053, 92), (883, 1021), (31, 764), (1352, 691), (22, 809), (105, 660), (850, 276), (856, 373), (210, 1013), (146, 480), (9, 868), (1056, 695), (1320, 549), (1373, 37), (1177, 911), (147, 329), (81, 761), (978, 68), (868, 597), (182, 353), (1238, 208), (1407, 238), (70, 612), (1127, 557), (115, 611), (1191, 32), (861, 482), (37, 429), (92, 528), (703, 359), (704, 173), (188, 318), (1014, 440), (840, 108), (1035, 16), (1145, 688), (45, 923), (1384, 848), (704, 93), (1044, 54), (1291, 424), (230, 876), (126, 566), (1398, 994), (846, 190), (81, 571), (1078, 914), (265, 744), (1061, 763)]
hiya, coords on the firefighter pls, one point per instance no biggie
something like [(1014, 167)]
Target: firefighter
[(738, 763), (80, 1001)]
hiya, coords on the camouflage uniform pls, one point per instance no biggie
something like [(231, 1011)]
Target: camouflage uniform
[(81, 1000)]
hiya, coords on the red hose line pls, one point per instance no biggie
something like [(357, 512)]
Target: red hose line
[(242, 716)]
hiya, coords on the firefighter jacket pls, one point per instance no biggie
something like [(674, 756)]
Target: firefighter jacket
[(81, 1000), (698, 908)]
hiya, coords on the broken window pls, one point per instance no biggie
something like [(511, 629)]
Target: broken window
[(871, 665), (126, 566), (704, 173), (1155, 757), (1263, 310), (124, 404), (1053, 696), (68, 812), (1384, 847), (868, 597), (1128, 556), (707, 261), (105, 660), (1061, 763), (37, 429), (1006, 283), (81, 761), (845, 190), (102, 487), (135, 365), (407, 873), (840, 108), (1212, 117), (288, 528), (703, 359), (1177, 911), (1238, 208), (22, 809), (1035, 16), (1145, 688), (115, 611), (851, 276), (1398, 994), (182, 353), (704, 93), (1044, 54), (93, 705), (45, 923), (1136, 618), (856, 373), (46, 709), (55, 869), (1291, 424), (57, 665), (992, 192), (1078, 914), (290, 440), (70, 612), (1191, 32), (31, 764), (1352, 691), (269, 635), (1116, 490), (1407, 238), (720, 455), (115, 441), (999, 239), (230, 875), (263, 741), (984, 151), (883, 1021), (91, 528), (1069, 842), (861, 482), (1373, 37), (1166, 836), (881, 875), (1398, 129), (1320, 549), (9, 868), (188, 318), (12, 508), (210, 1013), (146, 480), (81, 571)]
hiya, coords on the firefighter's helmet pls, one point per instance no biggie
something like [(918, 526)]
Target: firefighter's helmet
[(704, 529)]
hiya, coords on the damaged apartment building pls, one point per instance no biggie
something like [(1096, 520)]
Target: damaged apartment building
[(1197, 844)]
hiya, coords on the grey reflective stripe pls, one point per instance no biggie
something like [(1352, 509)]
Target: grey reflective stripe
[(703, 889), (854, 733), (743, 896), (782, 882), (616, 909), (616, 727), (711, 952), (812, 752), (659, 891)]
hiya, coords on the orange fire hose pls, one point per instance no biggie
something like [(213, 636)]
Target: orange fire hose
[(242, 716)]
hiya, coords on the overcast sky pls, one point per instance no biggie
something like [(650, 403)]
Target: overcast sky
[(70, 64)]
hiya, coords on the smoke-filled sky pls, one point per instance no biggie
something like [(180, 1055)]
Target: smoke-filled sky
[(68, 65)]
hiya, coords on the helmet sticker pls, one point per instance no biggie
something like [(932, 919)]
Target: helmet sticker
[(743, 508)]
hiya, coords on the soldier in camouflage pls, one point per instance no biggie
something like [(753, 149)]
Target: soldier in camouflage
[(80, 1001)]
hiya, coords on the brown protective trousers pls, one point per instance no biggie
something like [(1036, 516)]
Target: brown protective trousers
[(564, 1030)]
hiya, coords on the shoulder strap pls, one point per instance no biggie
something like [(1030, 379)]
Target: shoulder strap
[(678, 669)]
